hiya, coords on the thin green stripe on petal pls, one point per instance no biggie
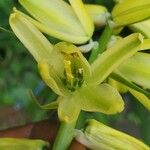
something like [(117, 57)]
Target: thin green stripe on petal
[(113, 57), (31, 37)]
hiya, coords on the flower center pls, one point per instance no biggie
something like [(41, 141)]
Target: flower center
[(73, 71)]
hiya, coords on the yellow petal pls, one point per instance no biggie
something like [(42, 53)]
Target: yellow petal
[(31, 37), (83, 16), (131, 11)]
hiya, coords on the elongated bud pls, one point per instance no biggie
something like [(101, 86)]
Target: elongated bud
[(22, 144), (130, 11), (99, 136)]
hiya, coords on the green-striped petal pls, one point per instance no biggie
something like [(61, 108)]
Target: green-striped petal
[(131, 11), (102, 98), (114, 56), (31, 37), (143, 27), (137, 69), (58, 19)]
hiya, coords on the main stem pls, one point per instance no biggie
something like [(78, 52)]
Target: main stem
[(64, 136)]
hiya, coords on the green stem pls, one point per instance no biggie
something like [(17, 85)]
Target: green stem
[(64, 136), (103, 41)]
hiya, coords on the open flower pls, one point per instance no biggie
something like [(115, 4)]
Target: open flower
[(99, 136), (65, 70)]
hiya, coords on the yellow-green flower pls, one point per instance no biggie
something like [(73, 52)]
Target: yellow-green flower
[(57, 18), (65, 70), (99, 136), (73, 23)]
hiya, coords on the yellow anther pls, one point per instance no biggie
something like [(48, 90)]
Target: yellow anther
[(68, 71)]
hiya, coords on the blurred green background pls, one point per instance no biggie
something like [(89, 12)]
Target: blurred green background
[(19, 74)]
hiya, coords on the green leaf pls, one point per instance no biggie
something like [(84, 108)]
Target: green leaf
[(31, 37), (102, 98), (22, 144), (120, 78), (128, 12), (113, 57), (137, 69)]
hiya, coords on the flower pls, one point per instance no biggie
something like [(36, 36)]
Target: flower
[(99, 136), (72, 23), (65, 70), (59, 19)]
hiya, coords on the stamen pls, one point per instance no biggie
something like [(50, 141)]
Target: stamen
[(73, 71), (68, 71)]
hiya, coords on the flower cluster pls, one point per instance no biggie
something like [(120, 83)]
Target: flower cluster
[(80, 85)]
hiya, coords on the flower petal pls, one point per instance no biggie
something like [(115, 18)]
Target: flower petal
[(144, 100), (113, 57), (143, 27), (137, 69), (102, 98), (83, 16), (98, 14), (31, 37), (50, 77), (68, 109), (128, 12), (57, 19)]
